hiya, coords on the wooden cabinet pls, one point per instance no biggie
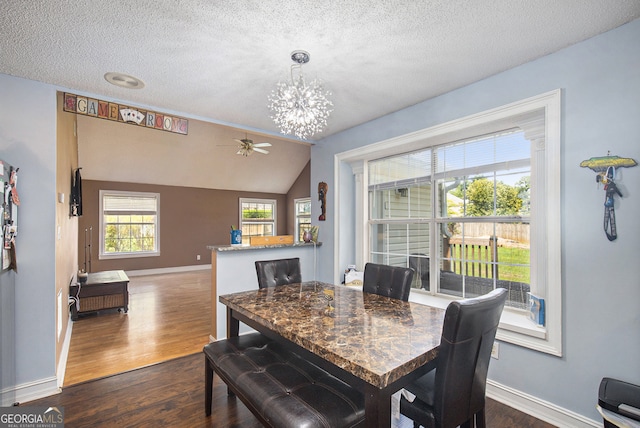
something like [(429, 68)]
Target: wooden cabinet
[(102, 290)]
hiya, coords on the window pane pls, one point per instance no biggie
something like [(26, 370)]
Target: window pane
[(304, 225), (257, 218), (477, 181), (129, 223), (478, 257), (451, 197), (303, 208), (303, 218), (413, 201), (401, 168), (253, 210)]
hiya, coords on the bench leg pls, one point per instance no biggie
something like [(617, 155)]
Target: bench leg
[(208, 386)]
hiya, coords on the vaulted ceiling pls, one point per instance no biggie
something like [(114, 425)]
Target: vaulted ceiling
[(219, 61)]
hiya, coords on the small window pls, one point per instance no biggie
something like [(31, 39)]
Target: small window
[(257, 218), (129, 224), (303, 217)]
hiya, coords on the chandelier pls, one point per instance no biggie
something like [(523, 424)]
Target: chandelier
[(298, 107)]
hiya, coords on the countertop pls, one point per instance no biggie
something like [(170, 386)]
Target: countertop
[(243, 247)]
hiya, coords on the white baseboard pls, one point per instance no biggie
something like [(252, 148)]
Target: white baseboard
[(167, 270), (30, 391), (540, 409), (43, 387), (64, 354)]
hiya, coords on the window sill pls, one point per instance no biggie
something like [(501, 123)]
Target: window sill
[(515, 326), (126, 255)]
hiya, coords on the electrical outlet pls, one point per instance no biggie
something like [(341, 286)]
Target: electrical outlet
[(198, 257), (495, 350)]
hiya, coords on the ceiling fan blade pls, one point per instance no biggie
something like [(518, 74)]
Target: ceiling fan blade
[(262, 145), (259, 150), (238, 140)]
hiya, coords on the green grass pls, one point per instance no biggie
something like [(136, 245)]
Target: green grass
[(513, 265)]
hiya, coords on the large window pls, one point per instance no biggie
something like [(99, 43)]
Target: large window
[(129, 224), (471, 205), (257, 218), (480, 218)]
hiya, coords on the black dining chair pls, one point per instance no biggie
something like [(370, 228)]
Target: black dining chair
[(278, 272), (389, 281), (453, 394)]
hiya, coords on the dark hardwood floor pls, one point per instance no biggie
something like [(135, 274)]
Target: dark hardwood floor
[(169, 388), (172, 394)]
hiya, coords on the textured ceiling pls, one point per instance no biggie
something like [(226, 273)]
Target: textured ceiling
[(220, 60)]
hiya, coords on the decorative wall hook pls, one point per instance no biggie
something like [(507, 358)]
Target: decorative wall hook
[(605, 168)]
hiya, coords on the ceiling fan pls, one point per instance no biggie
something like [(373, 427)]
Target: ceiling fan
[(247, 147)]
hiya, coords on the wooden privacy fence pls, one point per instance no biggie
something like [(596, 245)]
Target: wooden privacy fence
[(473, 257)]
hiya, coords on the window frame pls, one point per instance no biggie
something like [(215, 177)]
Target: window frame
[(406, 197), (102, 255), (545, 136), (241, 221), (297, 216)]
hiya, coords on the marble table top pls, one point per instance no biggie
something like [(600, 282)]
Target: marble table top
[(375, 338)]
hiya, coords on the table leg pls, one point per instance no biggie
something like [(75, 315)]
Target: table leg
[(208, 386), (233, 325), (377, 407)]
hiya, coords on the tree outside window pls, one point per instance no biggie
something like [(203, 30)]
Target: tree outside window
[(129, 224)]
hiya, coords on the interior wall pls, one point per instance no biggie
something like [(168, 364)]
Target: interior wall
[(301, 188), (66, 233), (600, 91), (28, 141), (206, 157), (190, 220)]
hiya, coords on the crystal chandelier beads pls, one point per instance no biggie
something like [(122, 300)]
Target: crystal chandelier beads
[(298, 107)]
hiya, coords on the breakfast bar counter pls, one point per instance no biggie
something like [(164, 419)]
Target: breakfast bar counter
[(233, 269)]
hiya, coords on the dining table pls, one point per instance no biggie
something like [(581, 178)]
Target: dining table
[(374, 343)]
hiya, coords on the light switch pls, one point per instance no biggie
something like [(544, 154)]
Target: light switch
[(61, 197)]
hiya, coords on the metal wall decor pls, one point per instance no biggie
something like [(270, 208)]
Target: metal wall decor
[(605, 168)]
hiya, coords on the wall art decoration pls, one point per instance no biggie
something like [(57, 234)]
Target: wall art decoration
[(9, 214), (323, 188), (605, 169), (125, 114)]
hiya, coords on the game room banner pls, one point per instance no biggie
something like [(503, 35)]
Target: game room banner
[(122, 113)]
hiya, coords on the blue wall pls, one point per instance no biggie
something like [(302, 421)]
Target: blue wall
[(600, 82), (28, 141)]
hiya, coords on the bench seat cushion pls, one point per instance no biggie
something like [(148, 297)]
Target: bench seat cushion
[(285, 389)]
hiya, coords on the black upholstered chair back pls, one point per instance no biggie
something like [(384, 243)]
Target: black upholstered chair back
[(389, 281), (458, 390), (278, 272)]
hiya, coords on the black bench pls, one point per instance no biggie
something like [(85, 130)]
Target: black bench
[(279, 387)]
